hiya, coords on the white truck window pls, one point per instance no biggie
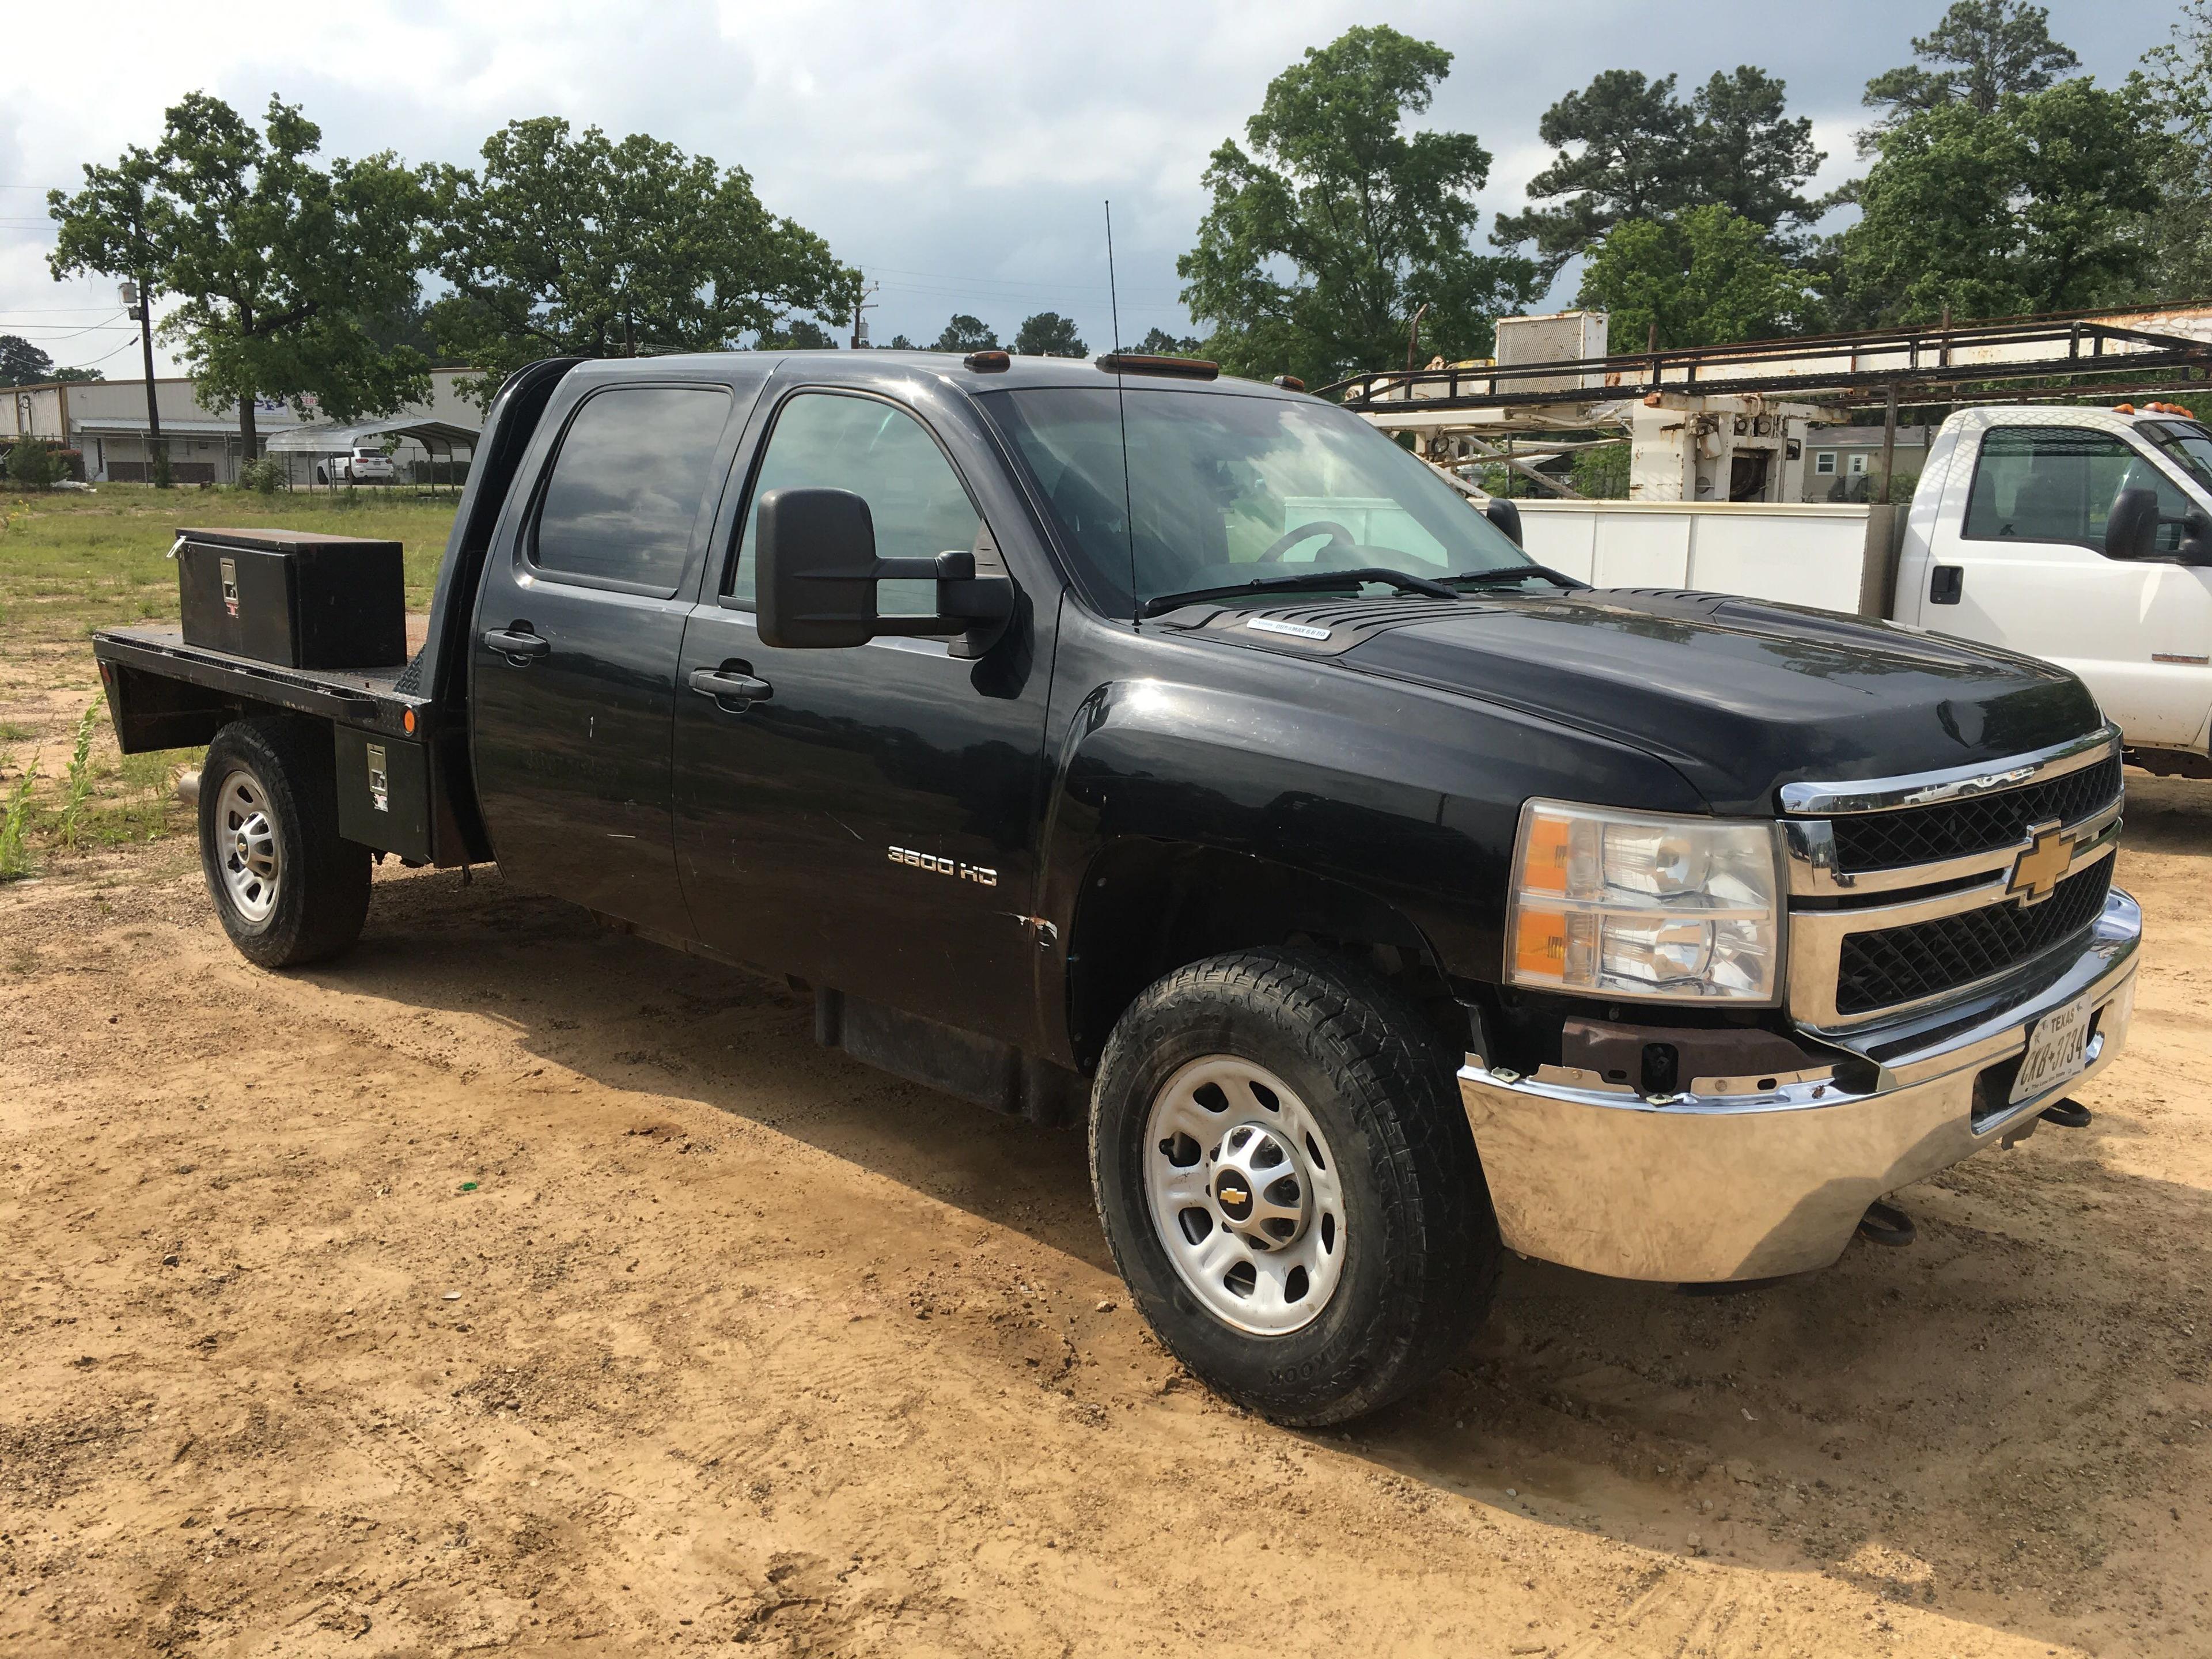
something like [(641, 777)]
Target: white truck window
[(2057, 483)]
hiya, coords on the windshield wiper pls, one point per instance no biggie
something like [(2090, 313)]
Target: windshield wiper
[(1306, 581), (1514, 573)]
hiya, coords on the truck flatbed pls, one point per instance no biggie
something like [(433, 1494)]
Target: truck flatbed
[(370, 698)]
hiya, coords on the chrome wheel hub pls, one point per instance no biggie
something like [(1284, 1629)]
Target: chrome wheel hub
[(1244, 1196), (247, 842)]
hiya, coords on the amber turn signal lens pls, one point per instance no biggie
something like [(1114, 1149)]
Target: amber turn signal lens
[(1540, 944), (407, 720), (1544, 855)]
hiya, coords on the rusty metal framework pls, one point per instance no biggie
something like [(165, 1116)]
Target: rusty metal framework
[(2024, 349)]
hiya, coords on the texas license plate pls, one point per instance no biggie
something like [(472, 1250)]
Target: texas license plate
[(2058, 1049)]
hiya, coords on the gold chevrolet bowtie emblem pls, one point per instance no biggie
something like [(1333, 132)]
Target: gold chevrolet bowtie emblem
[(2045, 858)]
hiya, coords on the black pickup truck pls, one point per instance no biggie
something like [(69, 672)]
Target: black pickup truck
[(1110, 742)]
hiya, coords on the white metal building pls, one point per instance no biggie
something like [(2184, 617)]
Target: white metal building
[(106, 421)]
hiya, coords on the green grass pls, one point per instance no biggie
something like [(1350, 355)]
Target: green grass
[(72, 563)]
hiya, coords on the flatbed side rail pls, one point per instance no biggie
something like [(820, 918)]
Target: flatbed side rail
[(355, 700)]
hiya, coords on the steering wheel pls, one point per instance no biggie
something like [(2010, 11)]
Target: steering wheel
[(1305, 532)]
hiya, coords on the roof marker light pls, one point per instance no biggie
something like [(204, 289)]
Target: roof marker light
[(1138, 362), (988, 362)]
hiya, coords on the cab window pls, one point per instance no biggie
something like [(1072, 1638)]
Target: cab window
[(626, 486), (834, 440), (2057, 483)]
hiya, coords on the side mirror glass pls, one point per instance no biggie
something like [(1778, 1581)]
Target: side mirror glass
[(2195, 547), (1506, 516), (817, 577), (818, 571), (2131, 528)]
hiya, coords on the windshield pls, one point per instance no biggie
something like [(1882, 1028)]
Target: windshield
[(2189, 444), (1220, 487)]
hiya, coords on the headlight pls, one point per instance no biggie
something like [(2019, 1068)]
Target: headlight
[(1628, 904)]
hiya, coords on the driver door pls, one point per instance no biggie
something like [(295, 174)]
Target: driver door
[(2018, 560), (870, 821)]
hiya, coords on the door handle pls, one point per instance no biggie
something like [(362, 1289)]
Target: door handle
[(731, 687), (518, 646), (1946, 583)]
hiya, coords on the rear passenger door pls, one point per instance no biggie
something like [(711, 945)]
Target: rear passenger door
[(578, 628)]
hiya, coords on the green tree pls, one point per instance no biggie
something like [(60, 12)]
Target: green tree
[(33, 464), (964, 334), (1628, 148), (1707, 277), (1748, 155), (798, 334), (275, 262), (1983, 52), (1049, 334), (2041, 205), (1158, 342), (571, 244), (1339, 224), (2179, 80), (1632, 161), (22, 363)]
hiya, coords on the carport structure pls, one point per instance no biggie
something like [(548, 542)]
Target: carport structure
[(330, 439)]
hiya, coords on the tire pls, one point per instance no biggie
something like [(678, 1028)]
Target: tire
[(1293, 1044), (289, 889), (322, 474)]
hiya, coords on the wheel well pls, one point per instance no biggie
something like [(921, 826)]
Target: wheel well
[(1150, 907)]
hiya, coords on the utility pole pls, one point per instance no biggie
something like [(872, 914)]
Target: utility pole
[(860, 324), (1888, 438), (137, 298)]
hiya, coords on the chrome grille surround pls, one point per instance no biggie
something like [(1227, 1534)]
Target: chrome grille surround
[(1922, 892)]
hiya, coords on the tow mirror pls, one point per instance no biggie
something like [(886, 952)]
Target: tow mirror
[(2131, 528), (2196, 539), (1506, 516), (817, 572)]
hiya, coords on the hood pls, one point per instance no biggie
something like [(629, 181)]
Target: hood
[(1741, 696)]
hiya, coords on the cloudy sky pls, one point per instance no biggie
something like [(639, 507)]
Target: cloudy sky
[(957, 152)]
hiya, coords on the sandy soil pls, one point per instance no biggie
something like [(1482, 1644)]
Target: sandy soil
[(513, 1284)]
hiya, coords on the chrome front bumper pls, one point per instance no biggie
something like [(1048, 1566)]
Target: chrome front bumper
[(1711, 1186)]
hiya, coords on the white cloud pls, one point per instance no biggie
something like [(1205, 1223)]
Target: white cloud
[(960, 149)]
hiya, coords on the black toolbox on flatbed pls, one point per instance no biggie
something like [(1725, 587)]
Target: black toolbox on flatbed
[(292, 597)]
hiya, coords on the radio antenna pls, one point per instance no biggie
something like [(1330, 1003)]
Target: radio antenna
[(1122, 411)]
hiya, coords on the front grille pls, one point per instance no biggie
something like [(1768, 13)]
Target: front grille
[(1978, 823), (1897, 965)]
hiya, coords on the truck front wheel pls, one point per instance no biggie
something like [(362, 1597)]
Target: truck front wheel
[(289, 889), (1289, 1186)]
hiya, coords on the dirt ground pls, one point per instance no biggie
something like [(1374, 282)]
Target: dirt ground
[(513, 1284)]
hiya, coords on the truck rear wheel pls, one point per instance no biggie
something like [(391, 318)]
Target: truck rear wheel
[(1289, 1186), (288, 889)]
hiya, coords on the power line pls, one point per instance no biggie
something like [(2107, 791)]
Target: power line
[(59, 334)]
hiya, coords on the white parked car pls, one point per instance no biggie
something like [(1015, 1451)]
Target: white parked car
[(357, 466)]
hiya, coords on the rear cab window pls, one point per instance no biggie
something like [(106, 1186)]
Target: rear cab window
[(622, 499)]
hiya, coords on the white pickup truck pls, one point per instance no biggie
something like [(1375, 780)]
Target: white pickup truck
[(2081, 536)]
